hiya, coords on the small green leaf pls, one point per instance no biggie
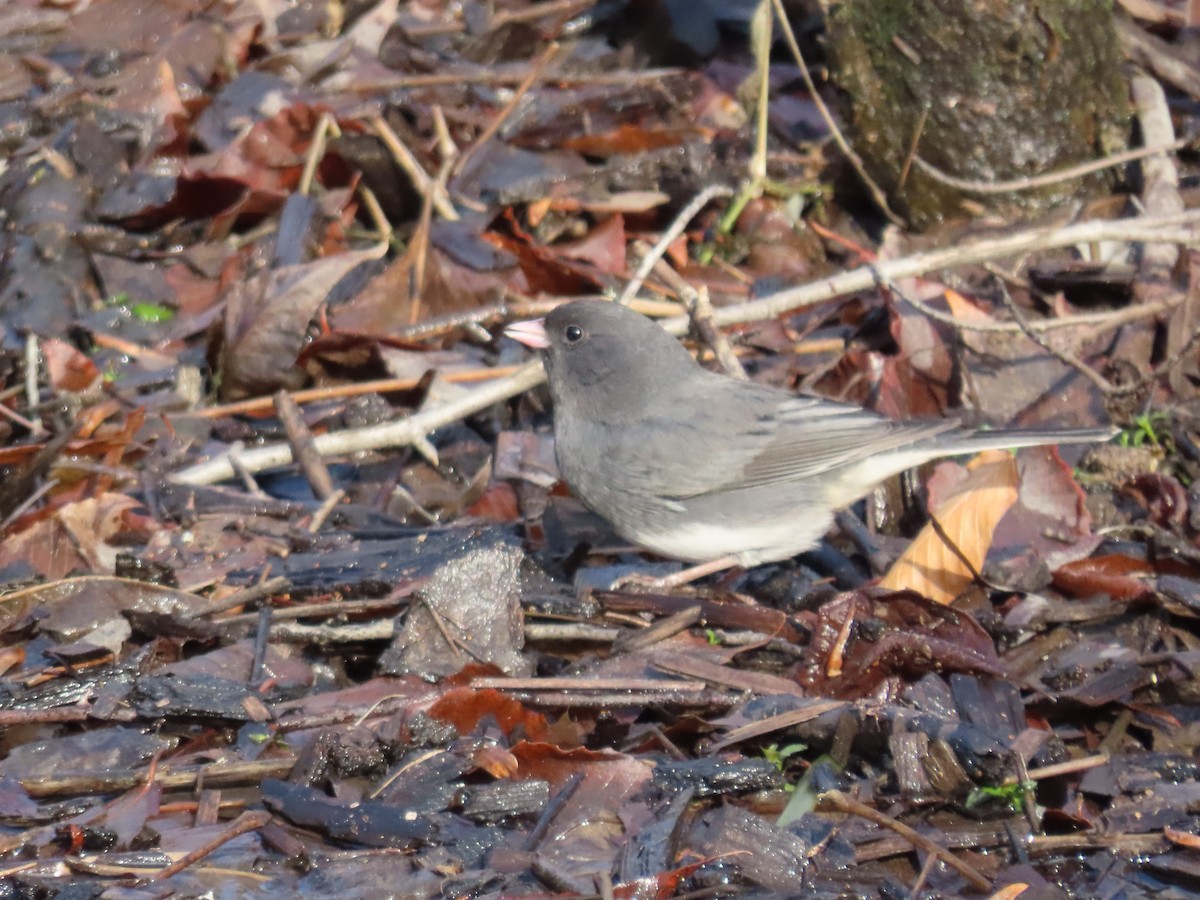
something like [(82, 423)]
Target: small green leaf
[(778, 756), (152, 312), (1010, 795)]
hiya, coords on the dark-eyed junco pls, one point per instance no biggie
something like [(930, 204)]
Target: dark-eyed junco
[(699, 466)]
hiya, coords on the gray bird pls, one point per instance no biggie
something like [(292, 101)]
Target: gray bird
[(701, 467)]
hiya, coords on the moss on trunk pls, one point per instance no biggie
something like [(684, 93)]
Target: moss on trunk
[(1013, 89)]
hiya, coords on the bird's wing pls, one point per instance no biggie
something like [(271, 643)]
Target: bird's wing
[(770, 437), (811, 437)]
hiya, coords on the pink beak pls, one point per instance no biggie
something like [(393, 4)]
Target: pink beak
[(531, 333)]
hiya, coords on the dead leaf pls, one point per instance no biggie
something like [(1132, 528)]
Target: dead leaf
[(69, 370), (1009, 892), (968, 518), (76, 538), (267, 319), (1117, 576)]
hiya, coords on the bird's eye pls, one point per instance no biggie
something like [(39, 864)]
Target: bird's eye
[(572, 333)]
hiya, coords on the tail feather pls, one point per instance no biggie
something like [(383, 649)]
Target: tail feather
[(974, 442), (856, 481)]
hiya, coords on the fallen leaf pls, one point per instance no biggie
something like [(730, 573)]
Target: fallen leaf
[(268, 316), (69, 370), (940, 568)]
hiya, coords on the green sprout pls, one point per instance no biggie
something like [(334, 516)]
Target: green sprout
[(1011, 796), (1145, 431), (778, 756), (145, 312), (152, 312)]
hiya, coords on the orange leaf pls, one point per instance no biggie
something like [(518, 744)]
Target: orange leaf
[(67, 368), (968, 517), (496, 761), (1010, 891)]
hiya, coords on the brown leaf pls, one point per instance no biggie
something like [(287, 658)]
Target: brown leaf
[(76, 538), (631, 139), (466, 707), (267, 319), (68, 369), (968, 518), (1117, 576)]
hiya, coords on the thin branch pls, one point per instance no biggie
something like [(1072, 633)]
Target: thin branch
[(535, 73), (375, 437), (853, 158), (1179, 229), (338, 391), (1069, 359), (1047, 178), (678, 224), (845, 804), (411, 166), (416, 427)]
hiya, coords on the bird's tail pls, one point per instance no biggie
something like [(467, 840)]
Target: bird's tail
[(976, 441), (856, 480)]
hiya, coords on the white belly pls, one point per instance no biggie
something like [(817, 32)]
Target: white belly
[(751, 544)]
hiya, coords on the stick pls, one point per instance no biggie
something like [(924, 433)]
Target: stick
[(375, 437)]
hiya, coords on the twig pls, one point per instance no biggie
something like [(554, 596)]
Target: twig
[(224, 773), (853, 158), (842, 803), (238, 468), (1070, 767), (246, 822), (1161, 229), (374, 437), (906, 167), (246, 596), (761, 33), (1047, 178), (535, 73), (32, 393), (378, 216), (1069, 359), (1104, 321), (702, 317), (21, 508), (1157, 55), (552, 809), (324, 510), (301, 440), (13, 416), (700, 308), (413, 169), (316, 149), (1155, 12), (678, 224), (456, 646), (484, 75), (445, 142), (335, 392), (541, 11), (587, 683), (262, 639), (914, 892), (1106, 386), (417, 253)]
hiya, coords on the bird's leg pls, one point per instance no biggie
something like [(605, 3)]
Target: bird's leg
[(682, 577)]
